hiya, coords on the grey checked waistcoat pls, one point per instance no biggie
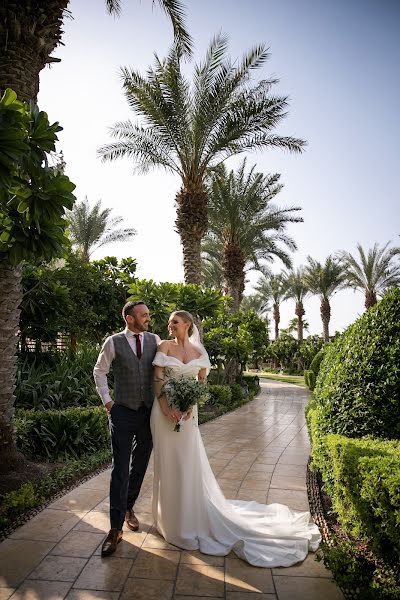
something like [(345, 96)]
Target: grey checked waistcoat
[(133, 378)]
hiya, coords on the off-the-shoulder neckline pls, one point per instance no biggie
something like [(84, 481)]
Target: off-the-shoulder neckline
[(178, 359)]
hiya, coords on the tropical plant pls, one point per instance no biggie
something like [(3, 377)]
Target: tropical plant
[(283, 351), (272, 287), (297, 290), (30, 31), (212, 275), (164, 298), (374, 272), (33, 200), (244, 226), (188, 129), (256, 303), (324, 280), (92, 228)]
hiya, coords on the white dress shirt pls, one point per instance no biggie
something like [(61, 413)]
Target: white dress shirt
[(105, 359)]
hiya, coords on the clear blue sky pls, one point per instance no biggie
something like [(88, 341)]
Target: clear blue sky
[(338, 62)]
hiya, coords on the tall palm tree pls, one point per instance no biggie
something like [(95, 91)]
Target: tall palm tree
[(372, 273), (30, 31), (92, 228), (212, 275), (297, 290), (272, 287), (255, 302), (245, 226), (324, 280), (189, 128)]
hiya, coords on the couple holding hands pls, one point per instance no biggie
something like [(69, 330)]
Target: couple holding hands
[(189, 509)]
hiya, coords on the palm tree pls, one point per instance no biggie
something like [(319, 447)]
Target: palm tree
[(30, 31), (324, 281), (188, 129), (255, 302), (244, 226), (92, 228), (273, 287), (212, 275), (372, 273), (297, 289)]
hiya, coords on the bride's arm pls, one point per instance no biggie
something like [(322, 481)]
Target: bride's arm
[(159, 379)]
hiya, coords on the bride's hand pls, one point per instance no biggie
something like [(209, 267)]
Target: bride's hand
[(188, 415), (173, 415)]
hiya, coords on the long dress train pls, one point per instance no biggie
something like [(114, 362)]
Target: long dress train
[(190, 510)]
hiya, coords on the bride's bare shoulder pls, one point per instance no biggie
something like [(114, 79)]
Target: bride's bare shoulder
[(164, 346)]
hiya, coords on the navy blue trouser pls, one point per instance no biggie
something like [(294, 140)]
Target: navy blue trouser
[(131, 444)]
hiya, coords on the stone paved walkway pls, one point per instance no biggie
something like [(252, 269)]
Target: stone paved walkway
[(258, 452)]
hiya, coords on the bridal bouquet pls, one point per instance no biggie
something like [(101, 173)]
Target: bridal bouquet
[(183, 393)]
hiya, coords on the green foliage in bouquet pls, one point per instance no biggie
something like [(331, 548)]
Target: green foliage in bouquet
[(184, 392)]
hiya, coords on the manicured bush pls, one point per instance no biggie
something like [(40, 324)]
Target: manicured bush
[(358, 389), (362, 476), (316, 361), (53, 435), (237, 394), (220, 395), (309, 379)]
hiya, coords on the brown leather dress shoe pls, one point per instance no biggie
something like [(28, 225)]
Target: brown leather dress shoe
[(131, 520), (110, 543)]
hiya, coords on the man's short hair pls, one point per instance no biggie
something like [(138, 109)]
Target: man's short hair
[(129, 306)]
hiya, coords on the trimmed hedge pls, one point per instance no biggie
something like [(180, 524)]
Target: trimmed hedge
[(220, 394), (358, 389), (362, 476), (31, 495), (54, 435), (309, 379), (317, 360)]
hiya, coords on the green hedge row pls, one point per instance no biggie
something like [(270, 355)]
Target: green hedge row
[(362, 476), (31, 495), (357, 388)]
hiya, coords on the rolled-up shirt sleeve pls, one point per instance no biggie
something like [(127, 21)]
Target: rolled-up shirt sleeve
[(102, 368)]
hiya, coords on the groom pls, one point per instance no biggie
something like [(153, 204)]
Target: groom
[(130, 354)]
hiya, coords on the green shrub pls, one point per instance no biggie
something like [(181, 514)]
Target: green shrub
[(57, 380), (237, 394), (362, 477), (220, 395), (53, 435), (309, 379), (316, 361), (253, 383), (358, 387), (31, 495)]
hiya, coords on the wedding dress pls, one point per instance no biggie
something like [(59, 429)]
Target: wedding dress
[(190, 510)]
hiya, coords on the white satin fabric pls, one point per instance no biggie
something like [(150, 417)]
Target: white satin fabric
[(190, 510)]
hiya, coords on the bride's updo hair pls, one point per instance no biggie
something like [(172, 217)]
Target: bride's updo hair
[(187, 317)]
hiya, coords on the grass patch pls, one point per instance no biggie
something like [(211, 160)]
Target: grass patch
[(295, 379)]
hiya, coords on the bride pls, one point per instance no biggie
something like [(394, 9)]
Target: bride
[(189, 508)]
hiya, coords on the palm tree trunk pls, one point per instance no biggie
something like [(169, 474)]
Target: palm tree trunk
[(326, 317), (233, 268), (300, 312), (29, 32), (10, 300), (191, 224), (277, 318), (370, 299)]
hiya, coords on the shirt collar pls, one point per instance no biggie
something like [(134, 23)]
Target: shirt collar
[(130, 333)]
